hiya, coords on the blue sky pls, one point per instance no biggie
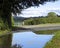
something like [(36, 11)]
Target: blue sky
[(42, 10)]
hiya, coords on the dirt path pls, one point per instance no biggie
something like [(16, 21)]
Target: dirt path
[(39, 27)]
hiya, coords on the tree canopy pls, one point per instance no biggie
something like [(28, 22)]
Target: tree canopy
[(52, 14), (17, 5)]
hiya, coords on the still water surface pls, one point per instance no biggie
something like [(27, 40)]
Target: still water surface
[(29, 39), (26, 39)]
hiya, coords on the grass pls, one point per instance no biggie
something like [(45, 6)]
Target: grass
[(46, 31), (55, 42), (4, 32)]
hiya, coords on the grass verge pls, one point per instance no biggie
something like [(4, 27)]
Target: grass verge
[(4, 32), (55, 42), (46, 31)]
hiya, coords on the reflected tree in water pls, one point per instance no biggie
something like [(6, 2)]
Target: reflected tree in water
[(5, 41), (16, 46)]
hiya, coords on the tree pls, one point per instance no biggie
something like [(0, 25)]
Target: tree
[(52, 14), (52, 17), (15, 6)]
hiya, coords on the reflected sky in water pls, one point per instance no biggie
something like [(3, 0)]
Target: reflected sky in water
[(30, 39)]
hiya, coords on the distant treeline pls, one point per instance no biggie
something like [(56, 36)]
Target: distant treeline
[(50, 18)]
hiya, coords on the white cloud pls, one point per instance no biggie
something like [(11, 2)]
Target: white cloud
[(42, 10)]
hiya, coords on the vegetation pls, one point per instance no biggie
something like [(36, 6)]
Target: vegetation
[(5, 32), (12, 20), (6, 8), (50, 18), (5, 41), (1, 24), (55, 42), (15, 6), (47, 31)]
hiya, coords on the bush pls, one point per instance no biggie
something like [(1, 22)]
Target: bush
[(3, 25), (51, 18), (41, 21)]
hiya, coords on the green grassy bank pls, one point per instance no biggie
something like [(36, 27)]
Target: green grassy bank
[(4, 32), (47, 31), (55, 42)]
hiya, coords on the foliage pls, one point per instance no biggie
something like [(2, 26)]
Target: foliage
[(52, 15), (5, 41), (3, 26), (50, 18), (15, 6), (55, 42), (46, 31), (12, 20)]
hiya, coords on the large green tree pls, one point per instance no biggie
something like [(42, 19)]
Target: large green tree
[(52, 15), (15, 6)]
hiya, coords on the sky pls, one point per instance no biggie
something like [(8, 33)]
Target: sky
[(42, 10)]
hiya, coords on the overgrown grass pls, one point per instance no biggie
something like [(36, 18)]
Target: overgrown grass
[(4, 32), (55, 42), (4, 27), (46, 31)]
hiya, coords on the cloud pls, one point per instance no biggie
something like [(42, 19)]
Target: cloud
[(42, 10)]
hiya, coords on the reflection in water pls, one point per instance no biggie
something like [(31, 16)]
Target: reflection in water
[(30, 39), (5, 41), (16, 46), (24, 40)]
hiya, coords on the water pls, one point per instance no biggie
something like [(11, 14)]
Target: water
[(30, 39), (26, 39)]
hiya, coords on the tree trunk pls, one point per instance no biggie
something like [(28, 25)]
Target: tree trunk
[(6, 13)]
